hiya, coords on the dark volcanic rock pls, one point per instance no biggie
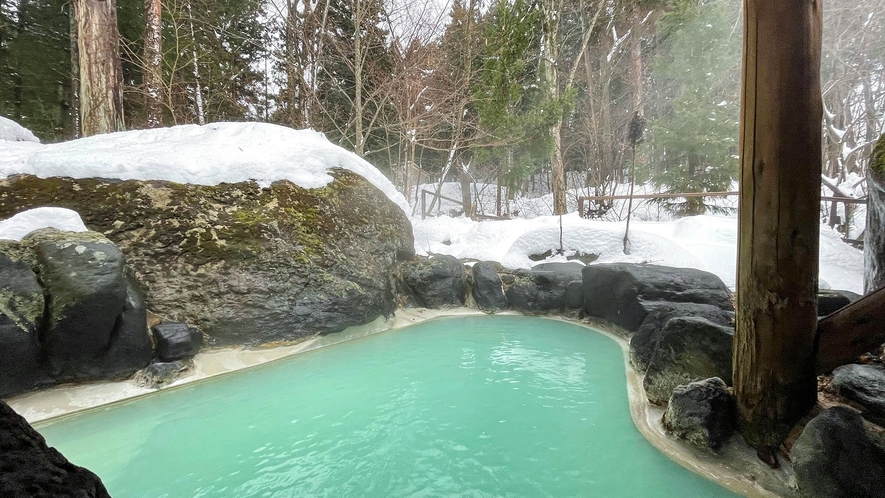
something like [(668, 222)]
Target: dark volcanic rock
[(865, 385), (21, 314), (574, 295), (701, 413), (828, 301), (624, 293), (690, 349), (176, 341), (834, 457), (82, 275), (543, 288), (31, 469), (161, 374), (488, 291), (130, 348), (645, 341), (86, 322), (436, 282), (240, 262)]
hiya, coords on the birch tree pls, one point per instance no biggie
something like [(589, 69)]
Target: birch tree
[(153, 57)]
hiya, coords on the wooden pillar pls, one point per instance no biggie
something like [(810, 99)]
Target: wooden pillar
[(778, 242)]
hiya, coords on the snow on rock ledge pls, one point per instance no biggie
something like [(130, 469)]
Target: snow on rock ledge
[(202, 155), (16, 227)]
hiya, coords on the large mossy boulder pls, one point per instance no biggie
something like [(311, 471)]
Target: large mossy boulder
[(835, 457), (83, 276), (31, 469), (243, 263), (625, 293), (69, 311)]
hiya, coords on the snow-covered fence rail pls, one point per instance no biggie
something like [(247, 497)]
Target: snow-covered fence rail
[(439, 197)]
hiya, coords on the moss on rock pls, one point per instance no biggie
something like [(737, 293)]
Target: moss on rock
[(236, 259), (877, 159)]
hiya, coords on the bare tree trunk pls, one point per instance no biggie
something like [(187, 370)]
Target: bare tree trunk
[(75, 78), (358, 58), (198, 93), (636, 60), (781, 110), (101, 78), (551, 75), (466, 197), (153, 52), (294, 61)]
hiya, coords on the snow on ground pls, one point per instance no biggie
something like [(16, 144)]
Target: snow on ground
[(203, 155), (704, 242), (23, 223), (10, 131), (484, 197)]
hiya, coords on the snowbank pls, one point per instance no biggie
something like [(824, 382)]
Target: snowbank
[(23, 223), (704, 242), (203, 155), (10, 131)]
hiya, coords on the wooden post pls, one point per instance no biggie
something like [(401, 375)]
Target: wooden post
[(778, 242)]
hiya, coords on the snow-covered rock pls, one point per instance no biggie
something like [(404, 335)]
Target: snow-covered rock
[(16, 227), (202, 155)]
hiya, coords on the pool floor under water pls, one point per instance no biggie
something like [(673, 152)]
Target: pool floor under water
[(473, 407)]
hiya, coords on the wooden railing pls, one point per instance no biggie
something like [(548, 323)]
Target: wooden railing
[(439, 197)]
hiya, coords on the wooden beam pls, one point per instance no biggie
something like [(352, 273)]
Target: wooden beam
[(851, 331)]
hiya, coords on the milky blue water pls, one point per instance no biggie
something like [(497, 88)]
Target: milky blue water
[(470, 407)]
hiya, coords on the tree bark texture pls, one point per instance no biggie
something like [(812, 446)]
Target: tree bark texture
[(153, 52), (781, 117), (636, 60), (874, 237), (551, 74), (75, 76), (101, 78)]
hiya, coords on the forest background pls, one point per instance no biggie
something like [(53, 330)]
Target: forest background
[(533, 96)]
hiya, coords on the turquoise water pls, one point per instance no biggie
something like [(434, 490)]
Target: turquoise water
[(471, 407)]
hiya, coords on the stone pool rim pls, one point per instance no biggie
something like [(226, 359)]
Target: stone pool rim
[(744, 480)]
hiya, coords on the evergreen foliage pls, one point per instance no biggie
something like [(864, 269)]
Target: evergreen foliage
[(513, 116), (694, 135), (35, 66)]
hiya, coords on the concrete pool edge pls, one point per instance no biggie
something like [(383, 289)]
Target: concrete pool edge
[(737, 468)]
